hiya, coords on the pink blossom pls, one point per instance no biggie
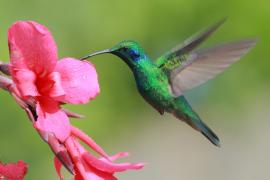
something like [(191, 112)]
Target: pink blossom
[(89, 167), (37, 74), (13, 171), (41, 85)]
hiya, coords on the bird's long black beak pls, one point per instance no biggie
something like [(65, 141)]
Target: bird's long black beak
[(97, 53)]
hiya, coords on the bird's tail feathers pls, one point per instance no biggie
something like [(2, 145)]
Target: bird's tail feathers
[(199, 125)]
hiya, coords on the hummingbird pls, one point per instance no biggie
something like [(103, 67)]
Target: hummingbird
[(162, 83)]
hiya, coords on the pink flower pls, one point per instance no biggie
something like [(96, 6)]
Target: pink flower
[(89, 167), (42, 84), (13, 171), (37, 74)]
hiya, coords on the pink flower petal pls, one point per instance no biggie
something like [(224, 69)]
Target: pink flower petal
[(52, 119), (107, 166), (57, 89), (58, 166), (82, 170), (48, 104), (117, 156), (32, 46), (25, 81), (89, 141), (94, 174), (13, 171), (79, 80)]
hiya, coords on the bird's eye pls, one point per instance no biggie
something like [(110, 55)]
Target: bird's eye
[(125, 49)]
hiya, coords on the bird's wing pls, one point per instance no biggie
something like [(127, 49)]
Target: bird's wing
[(202, 65), (188, 45)]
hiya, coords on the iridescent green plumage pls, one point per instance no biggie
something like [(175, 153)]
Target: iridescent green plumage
[(162, 83)]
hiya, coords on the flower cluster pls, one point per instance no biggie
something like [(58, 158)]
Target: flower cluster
[(41, 84)]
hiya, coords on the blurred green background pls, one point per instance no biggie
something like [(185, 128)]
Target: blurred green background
[(235, 104)]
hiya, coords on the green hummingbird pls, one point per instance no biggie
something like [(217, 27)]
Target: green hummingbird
[(163, 82)]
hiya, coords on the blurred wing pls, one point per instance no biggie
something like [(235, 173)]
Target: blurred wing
[(202, 65), (189, 44)]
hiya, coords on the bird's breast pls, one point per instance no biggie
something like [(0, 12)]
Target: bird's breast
[(154, 88)]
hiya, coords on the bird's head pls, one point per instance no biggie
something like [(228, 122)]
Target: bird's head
[(129, 51)]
